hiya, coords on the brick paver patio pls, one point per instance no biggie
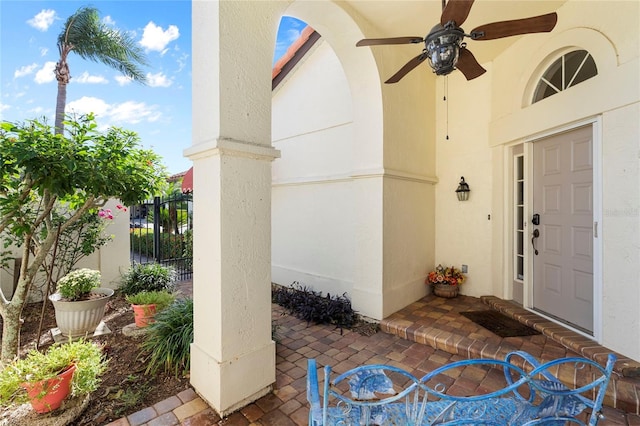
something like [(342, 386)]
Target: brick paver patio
[(296, 341)]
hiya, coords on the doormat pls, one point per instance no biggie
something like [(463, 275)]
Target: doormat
[(499, 324)]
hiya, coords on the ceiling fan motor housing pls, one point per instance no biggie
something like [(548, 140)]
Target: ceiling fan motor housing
[(443, 47)]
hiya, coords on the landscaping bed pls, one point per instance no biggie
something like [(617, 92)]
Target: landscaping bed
[(125, 387)]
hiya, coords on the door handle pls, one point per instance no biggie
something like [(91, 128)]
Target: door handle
[(535, 236)]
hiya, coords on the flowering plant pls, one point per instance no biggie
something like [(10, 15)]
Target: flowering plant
[(77, 283), (449, 276), (108, 214)]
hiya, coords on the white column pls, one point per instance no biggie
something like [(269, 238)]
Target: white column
[(232, 356)]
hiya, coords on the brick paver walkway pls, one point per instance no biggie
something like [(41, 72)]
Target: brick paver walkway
[(296, 342)]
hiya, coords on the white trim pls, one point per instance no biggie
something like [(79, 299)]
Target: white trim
[(358, 174), (507, 242), (394, 174), (527, 291), (598, 276), (596, 126), (232, 147), (561, 129)]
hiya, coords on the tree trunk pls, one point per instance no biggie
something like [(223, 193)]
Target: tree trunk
[(11, 310), (61, 102), (10, 332)]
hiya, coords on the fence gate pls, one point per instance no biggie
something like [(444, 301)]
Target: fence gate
[(161, 231)]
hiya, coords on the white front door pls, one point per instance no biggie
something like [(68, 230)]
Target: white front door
[(563, 211)]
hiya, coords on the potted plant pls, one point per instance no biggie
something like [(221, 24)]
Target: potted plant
[(148, 277), (147, 303), (46, 379), (445, 281), (79, 302)]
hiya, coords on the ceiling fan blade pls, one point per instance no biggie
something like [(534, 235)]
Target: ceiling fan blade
[(457, 11), (405, 69), (468, 65), (535, 24), (393, 40)]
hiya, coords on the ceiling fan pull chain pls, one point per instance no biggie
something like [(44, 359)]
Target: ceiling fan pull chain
[(446, 94)]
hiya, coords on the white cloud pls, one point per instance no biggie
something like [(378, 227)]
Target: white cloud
[(90, 79), (43, 51), (292, 35), (158, 80), (43, 20), (182, 61), (25, 70), (133, 112), (108, 20), (117, 114), (46, 73), (87, 104), (156, 39), (4, 107), (123, 80), (285, 40), (37, 111)]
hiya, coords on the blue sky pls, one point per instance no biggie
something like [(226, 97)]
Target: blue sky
[(160, 112)]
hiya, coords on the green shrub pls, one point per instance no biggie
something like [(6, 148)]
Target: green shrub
[(161, 299), (41, 366), (171, 245), (187, 251), (142, 241), (169, 339), (148, 277)]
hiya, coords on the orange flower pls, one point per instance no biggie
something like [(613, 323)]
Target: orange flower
[(449, 276)]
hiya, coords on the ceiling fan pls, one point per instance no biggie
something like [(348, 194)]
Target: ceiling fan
[(444, 47)]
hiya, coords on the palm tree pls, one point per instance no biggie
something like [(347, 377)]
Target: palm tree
[(84, 34)]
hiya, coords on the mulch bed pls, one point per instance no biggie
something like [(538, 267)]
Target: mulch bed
[(125, 387)]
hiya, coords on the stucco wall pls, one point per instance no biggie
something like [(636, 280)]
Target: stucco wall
[(313, 222), (111, 260), (408, 235), (612, 97), (344, 221), (481, 132), (464, 228), (621, 229)]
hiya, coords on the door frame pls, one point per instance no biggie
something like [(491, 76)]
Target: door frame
[(596, 127)]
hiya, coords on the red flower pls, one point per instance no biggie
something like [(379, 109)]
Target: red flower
[(449, 276)]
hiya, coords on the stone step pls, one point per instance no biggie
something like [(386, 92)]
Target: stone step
[(624, 388)]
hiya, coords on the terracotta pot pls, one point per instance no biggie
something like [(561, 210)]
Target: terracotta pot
[(144, 314), (80, 318), (447, 291), (47, 395)]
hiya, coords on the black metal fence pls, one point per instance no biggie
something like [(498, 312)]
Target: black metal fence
[(161, 231)]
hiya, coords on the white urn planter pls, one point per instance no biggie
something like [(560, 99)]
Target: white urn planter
[(82, 317)]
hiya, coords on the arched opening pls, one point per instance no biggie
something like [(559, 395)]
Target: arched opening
[(313, 224)]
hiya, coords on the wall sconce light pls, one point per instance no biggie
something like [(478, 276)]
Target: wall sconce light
[(463, 190)]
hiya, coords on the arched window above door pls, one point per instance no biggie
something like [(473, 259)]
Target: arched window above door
[(570, 69)]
